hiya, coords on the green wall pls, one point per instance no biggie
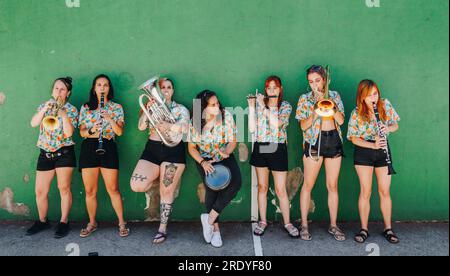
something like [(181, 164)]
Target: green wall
[(231, 46)]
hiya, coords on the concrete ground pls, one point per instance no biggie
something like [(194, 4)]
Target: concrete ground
[(185, 239)]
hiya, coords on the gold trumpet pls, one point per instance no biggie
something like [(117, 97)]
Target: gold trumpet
[(51, 122), (325, 108)]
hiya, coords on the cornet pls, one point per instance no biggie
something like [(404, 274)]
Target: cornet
[(51, 122), (158, 112)]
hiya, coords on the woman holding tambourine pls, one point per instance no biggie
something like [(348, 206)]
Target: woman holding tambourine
[(212, 140)]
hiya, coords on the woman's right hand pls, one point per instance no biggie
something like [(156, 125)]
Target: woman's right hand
[(251, 102), (380, 143), (150, 103), (260, 99), (208, 167)]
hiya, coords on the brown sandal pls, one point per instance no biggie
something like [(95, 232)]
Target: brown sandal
[(123, 230), (337, 233), (90, 228)]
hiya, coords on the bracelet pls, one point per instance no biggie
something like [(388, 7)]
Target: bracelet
[(201, 163)]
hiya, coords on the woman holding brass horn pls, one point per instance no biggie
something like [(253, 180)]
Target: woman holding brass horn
[(161, 159), (101, 120), (212, 140), (321, 113), (269, 119), (370, 123), (57, 120)]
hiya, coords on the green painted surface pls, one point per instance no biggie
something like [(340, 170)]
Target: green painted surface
[(231, 46)]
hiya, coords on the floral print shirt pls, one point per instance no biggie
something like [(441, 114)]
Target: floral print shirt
[(52, 141), (368, 130), (211, 142), (89, 118), (266, 133), (305, 109)]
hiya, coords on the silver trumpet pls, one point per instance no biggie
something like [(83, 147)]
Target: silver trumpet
[(158, 112)]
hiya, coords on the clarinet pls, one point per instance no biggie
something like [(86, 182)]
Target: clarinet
[(100, 150), (382, 135)]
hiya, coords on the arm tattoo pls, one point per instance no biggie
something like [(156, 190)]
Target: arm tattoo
[(169, 174)]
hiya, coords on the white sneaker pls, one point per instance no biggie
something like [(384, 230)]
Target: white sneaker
[(216, 240), (207, 228)]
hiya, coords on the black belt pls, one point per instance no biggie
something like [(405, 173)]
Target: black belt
[(59, 153)]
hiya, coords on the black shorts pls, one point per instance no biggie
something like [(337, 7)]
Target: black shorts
[(370, 157), (90, 159), (270, 155), (157, 153), (330, 146), (63, 158)]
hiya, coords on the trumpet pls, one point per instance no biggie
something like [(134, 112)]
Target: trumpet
[(158, 112), (51, 121)]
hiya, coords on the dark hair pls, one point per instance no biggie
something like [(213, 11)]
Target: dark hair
[(317, 69), (204, 97), (278, 83), (67, 82), (93, 101)]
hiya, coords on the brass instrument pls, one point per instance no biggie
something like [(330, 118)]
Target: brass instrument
[(51, 122), (158, 112), (325, 108)]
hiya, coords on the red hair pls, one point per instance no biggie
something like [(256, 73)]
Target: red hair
[(278, 83), (364, 89)]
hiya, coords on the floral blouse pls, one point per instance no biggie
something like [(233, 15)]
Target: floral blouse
[(51, 141), (305, 109), (89, 117), (180, 113), (210, 143), (359, 128), (265, 133)]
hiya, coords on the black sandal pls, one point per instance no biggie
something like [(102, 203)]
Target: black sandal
[(159, 238), (362, 236), (390, 236)]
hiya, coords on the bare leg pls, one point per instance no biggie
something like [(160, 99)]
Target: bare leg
[(384, 187), (64, 184), (263, 186), (312, 169), (332, 169), (90, 180), (111, 178), (280, 179), (365, 174), (43, 183), (143, 176)]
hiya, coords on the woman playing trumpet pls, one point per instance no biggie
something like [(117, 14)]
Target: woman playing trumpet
[(269, 119), (322, 140), (101, 120), (162, 161), (371, 151), (57, 156)]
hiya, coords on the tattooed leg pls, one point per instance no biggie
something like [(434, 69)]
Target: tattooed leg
[(169, 174), (138, 177), (166, 211)]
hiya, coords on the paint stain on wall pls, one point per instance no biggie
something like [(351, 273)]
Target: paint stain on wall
[(201, 192), (294, 181), (7, 203), (152, 196), (243, 152), (26, 178), (2, 98)]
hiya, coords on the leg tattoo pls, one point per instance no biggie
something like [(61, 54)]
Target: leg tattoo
[(166, 211), (169, 174), (137, 177)]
